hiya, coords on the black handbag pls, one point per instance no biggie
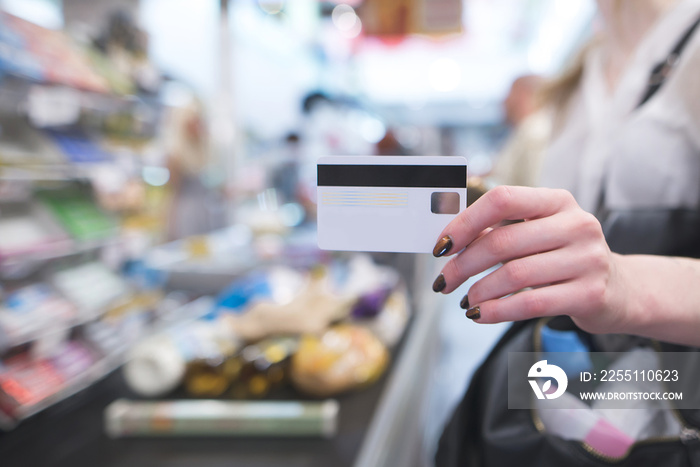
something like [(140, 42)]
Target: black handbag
[(484, 432)]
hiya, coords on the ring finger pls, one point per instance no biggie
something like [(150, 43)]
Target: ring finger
[(531, 271)]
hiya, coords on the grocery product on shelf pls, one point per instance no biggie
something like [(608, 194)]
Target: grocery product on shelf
[(72, 360), (78, 214), (13, 60), (22, 144), (47, 55), (32, 311), (370, 304), (344, 357), (30, 229), (92, 287), (30, 383), (327, 329), (157, 365), (78, 147), (210, 377), (283, 301), (389, 321), (309, 307), (261, 368), (25, 382), (124, 418)]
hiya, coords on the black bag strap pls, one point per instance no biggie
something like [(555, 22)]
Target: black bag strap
[(661, 72)]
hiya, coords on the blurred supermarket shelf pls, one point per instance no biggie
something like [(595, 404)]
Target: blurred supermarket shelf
[(46, 329), (45, 173), (15, 92), (19, 265), (107, 364), (206, 264)]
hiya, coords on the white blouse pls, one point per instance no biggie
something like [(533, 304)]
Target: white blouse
[(641, 158)]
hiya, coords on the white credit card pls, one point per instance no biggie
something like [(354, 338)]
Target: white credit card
[(388, 203)]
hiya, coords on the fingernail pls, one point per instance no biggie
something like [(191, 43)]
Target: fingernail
[(474, 312), (443, 246), (439, 284), (464, 304)]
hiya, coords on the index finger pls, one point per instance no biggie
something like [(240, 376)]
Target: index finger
[(497, 205)]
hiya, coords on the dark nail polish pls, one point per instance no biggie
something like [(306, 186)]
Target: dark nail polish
[(443, 246), (474, 312), (439, 284), (464, 304)]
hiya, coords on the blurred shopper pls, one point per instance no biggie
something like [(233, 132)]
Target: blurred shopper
[(614, 246), (285, 176), (520, 160), (389, 145), (634, 164), (187, 147)]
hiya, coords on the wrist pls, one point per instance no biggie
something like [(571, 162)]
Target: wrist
[(625, 301), (653, 296)]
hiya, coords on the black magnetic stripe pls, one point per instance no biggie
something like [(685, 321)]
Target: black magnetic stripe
[(411, 176)]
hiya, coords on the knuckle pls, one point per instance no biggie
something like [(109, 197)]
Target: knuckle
[(465, 222), (451, 271), (533, 305), (493, 312), (499, 241), (500, 197), (590, 225), (598, 258), (517, 273), (476, 293), (595, 294), (565, 197)]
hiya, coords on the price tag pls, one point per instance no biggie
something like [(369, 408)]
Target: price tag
[(53, 106), (50, 342)]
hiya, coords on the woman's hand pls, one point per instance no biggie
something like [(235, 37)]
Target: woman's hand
[(559, 251)]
